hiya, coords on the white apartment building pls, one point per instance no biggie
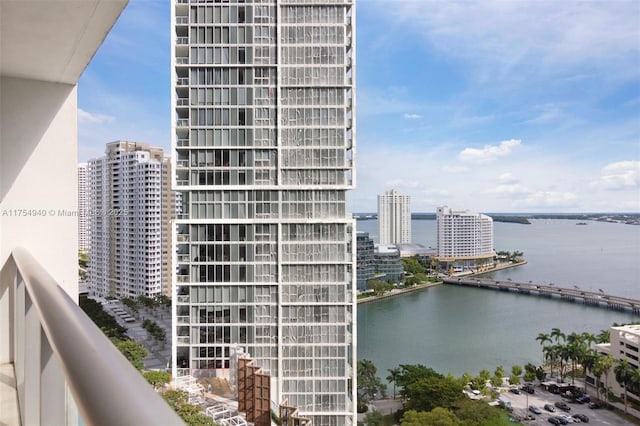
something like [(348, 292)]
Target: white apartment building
[(465, 239), (263, 136), (624, 345), (125, 211), (83, 207), (394, 218)]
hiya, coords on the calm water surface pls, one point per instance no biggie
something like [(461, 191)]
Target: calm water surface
[(454, 329)]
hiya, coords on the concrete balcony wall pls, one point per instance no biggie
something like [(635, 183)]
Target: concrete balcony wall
[(38, 152)]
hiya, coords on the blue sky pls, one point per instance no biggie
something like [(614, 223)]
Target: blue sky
[(494, 106)]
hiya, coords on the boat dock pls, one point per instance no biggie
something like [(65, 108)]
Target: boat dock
[(574, 295)]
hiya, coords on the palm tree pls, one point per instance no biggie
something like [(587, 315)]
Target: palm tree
[(551, 355), (394, 373), (588, 360), (543, 338), (563, 356), (575, 351), (605, 364), (624, 376), (588, 338), (557, 334), (603, 337)]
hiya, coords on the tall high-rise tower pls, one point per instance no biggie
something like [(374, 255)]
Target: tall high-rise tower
[(83, 207), (394, 218), (127, 216), (264, 141)]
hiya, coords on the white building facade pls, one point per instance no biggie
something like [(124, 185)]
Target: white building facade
[(125, 217), (464, 238), (394, 218), (263, 138), (83, 207)]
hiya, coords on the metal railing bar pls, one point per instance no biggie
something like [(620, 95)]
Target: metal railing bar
[(107, 389)]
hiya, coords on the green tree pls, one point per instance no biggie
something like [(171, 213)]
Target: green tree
[(369, 384), (412, 265), (157, 379), (132, 350), (498, 375), (529, 372), (412, 373), (437, 417), (543, 338), (105, 322), (427, 394), (516, 371), (603, 337), (191, 414), (557, 335), (374, 418), (624, 376), (379, 287), (394, 373), (477, 413)]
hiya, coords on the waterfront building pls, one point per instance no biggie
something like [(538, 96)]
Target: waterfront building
[(388, 263), (365, 260), (465, 240), (83, 208), (624, 345), (263, 135), (394, 218), (130, 209)]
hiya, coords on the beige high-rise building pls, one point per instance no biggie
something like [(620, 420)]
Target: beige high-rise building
[(130, 216), (83, 207), (394, 218), (264, 112)]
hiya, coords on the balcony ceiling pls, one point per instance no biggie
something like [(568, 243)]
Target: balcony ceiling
[(53, 40)]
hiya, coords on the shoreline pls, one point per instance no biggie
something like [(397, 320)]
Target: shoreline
[(398, 292), (418, 287)]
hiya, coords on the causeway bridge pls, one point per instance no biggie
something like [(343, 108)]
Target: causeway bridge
[(574, 295)]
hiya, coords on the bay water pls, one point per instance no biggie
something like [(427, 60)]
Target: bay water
[(458, 329)]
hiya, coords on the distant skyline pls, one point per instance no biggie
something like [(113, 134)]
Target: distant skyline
[(491, 106)]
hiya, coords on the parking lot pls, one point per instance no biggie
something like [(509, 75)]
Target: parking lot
[(541, 397)]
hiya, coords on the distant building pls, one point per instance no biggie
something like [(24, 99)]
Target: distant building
[(388, 263), (129, 221), (366, 262), (394, 218), (624, 344), (83, 207), (465, 240)]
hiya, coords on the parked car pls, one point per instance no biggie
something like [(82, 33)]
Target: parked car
[(562, 420), (535, 410), (568, 419), (549, 408), (515, 390), (583, 399), (563, 406), (594, 405), (554, 421), (528, 388), (582, 417)]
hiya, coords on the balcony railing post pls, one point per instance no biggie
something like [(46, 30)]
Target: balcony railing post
[(32, 395), (53, 404), (19, 339)]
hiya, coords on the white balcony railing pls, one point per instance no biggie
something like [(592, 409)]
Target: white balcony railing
[(56, 346)]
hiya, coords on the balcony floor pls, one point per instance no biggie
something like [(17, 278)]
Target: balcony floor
[(9, 414)]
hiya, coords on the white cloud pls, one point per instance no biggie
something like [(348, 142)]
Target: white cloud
[(412, 116), (509, 191), (553, 38), (507, 178), (455, 169), (548, 200), (489, 152), (89, 117), (619, 175)]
